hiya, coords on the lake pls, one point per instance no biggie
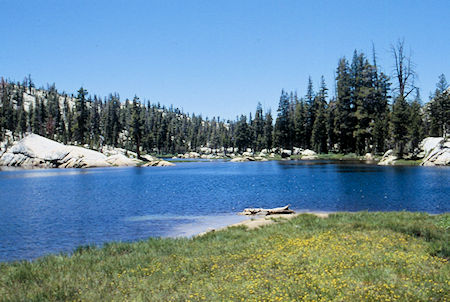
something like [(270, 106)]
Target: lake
[(51, 211)]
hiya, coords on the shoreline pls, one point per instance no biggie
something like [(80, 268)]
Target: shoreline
[(403, 163), (257, 221)]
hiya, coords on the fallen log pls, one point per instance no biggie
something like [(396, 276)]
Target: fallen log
[(261, 211)]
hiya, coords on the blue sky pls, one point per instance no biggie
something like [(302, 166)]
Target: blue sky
[(218, 58)]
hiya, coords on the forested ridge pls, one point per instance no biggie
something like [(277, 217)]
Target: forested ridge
[(370, 112)]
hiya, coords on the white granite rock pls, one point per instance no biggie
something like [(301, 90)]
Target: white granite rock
[(369, 156), (431, 143), (437, 151), (37, 151), (308, 152), (388, 158), (158, 163), (121, 160)]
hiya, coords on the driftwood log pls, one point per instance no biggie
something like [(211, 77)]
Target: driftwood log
[(261, 211)]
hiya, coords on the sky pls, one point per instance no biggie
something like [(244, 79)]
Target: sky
[(215, 58)]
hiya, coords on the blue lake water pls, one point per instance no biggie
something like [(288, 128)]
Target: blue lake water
[(51, 211)]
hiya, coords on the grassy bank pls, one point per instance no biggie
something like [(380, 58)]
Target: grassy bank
[(333, 156), (346, 257), (408, 162)]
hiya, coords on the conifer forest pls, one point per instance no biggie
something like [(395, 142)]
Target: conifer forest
[(365, 110)]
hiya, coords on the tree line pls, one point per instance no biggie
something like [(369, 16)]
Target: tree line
[(370, 112)]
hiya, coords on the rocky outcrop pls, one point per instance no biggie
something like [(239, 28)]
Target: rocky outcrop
[(308, 154), (436, 151), (35, 151), (242, 159), (79, 157), (388, 158), (247, 158), (369, 157), (285, 153), (158, 163), (122, 161), (297, 151), (190, 155)]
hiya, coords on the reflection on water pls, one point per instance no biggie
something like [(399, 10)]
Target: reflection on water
[(43, 174), (47, 211)]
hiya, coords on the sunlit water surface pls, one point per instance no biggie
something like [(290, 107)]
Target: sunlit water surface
[(50, 211)]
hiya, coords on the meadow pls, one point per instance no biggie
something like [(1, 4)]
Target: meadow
[(364, 256)]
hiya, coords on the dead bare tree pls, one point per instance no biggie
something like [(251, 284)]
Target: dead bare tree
[(404, 70)]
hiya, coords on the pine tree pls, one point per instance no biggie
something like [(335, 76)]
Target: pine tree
[(345, 120), (360, 93), (37, 119), (94, 123), (281, 131), (380, 133), (319, 133), (268, 131), (22, 120), (7, 107), (258, 128), (380, 121), (400, 114), (368, 104), (2, 108), (415, 124), (81, 115), (69, 118), (300, 118), (113, 125), (439, 109), (311, 112), (331, 120), (242, 134), (136, 126)]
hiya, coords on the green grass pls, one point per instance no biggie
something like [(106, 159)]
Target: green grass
[(333, 156), (407, 162), (183, 160), (397, 256), (340, 156)]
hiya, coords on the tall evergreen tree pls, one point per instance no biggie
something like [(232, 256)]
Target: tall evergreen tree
[(311, 112), (300, 120), (400, 114), (136, 126), (319, 133), (22, 120), (345, 120), (242, 134), (281, 131), (268, 131), (258, 128), (439, 109), (81, 115), (331, 120), (415, 124)]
